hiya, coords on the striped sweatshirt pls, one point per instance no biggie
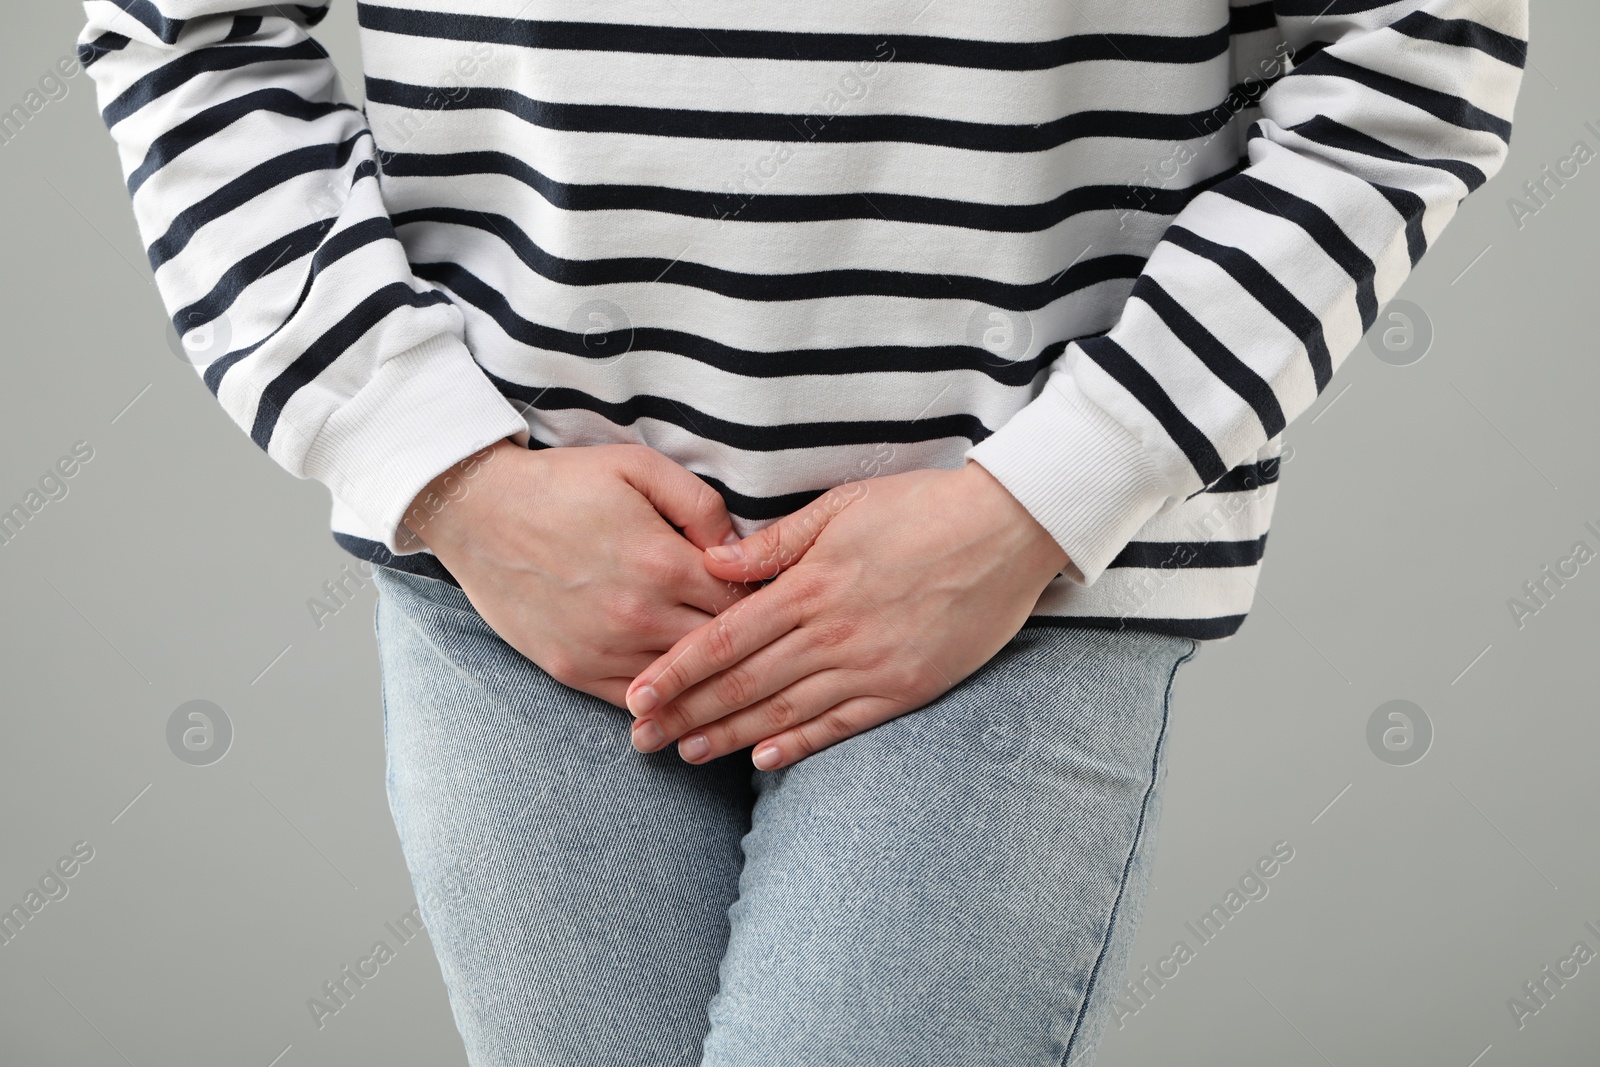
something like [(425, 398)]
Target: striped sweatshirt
[(1108, 250)]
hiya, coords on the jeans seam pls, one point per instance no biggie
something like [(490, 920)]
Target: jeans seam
[(1127, 864)]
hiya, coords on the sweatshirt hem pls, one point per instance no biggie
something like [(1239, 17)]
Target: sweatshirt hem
[(1210, 628)]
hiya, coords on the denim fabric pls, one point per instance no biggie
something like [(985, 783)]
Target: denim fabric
[(959, 885)]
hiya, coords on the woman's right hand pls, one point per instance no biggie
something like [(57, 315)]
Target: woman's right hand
[(571, 556)]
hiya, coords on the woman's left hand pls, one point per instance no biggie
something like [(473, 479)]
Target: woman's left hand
[(889, 591)]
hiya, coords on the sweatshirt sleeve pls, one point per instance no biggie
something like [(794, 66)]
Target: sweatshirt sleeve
[(255, 191), (1388, 116)]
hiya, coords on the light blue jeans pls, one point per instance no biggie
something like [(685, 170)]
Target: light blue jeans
[(959, 885)]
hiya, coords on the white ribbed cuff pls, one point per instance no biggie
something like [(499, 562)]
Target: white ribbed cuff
[(1078, 471), (425, 409)]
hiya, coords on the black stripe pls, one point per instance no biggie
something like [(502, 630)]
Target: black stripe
[(1445, 106), (1252, 18), (1465, 33), (776, 207), (813, 285), (1307, 51), (259, 179), (153, 20), (1132, 376), (861, 359), (1326, 131), (1241, 98), (746, 436), (1247, 477), (754, 508), (1228, 368), (760, 508), (712, 42), (322, 352), (244, 26), (171, 75), (273, 256), (1185, 555), (207, 123), (1268, 291), (768, 127), (90, 51), (1202, 629), (1325, 8), (1321, 227), (1410, 207), (336, 248), (425, 564)]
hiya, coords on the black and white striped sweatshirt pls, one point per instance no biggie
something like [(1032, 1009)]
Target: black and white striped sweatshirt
[(1106, 249)]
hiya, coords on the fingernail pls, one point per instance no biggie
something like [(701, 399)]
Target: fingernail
[(768, 757), (727, 553), (733, 538), (643, 700), (694, 747), (647, 736)]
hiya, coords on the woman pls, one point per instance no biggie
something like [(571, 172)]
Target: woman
[(891, 396)]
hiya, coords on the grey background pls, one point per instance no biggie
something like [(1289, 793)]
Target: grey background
[(1419, 500)]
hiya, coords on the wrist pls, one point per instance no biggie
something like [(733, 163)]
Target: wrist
[(1019, 533), (439, 510)]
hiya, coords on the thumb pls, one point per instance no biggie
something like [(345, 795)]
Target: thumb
[(777, 547), (681, 497)]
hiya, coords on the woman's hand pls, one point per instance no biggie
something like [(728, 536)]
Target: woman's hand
[(570, 554), (891, 591)]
